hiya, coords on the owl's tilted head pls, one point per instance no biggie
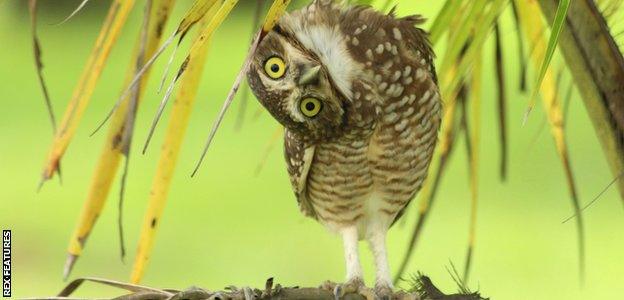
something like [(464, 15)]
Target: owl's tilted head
[(292, 77), (332, 70)]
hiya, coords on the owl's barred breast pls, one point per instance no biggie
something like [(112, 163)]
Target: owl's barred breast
[(369, 173)]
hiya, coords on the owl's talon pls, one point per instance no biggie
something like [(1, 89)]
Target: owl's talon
[(366, 292), (383, 292), (328, 285), (353, 286), (338, 292)]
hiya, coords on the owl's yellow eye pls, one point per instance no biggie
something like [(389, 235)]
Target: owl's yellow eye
[(310, 107), (275, 67)]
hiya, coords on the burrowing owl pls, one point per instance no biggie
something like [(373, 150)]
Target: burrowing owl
[(357, 93)]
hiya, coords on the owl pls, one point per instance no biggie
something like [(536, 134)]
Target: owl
[(356, 91)]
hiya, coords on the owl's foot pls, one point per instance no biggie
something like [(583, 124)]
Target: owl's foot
[(353, 286), (383, 291)]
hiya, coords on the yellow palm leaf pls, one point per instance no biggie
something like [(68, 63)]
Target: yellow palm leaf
[(113, 149), (473, 132), (533, 27), (117, 15), (170, 150)]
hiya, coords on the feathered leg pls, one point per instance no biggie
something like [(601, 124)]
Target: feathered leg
[(383, 280), (352, 257), (354, 282)]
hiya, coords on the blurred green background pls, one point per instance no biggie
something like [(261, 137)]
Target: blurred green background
[(230, 226)]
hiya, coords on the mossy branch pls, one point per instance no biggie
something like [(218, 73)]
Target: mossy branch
[(422, 288)]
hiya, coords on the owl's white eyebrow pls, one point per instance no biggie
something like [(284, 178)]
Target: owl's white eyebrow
[(291, 38), (328, 46)]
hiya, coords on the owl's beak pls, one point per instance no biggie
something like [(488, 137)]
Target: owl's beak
[(310, 76)]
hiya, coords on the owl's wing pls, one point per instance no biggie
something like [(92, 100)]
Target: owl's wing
[(299, 157), (416, 39)]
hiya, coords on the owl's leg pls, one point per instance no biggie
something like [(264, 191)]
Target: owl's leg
[(352, 257), (354, 283), (383, 280)]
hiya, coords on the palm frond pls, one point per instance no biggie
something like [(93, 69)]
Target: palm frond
[(532, 24), (32, 5), (120, 134), (473, 133), (180, 114), (117, 16), (74, 12), (556, 27), (597, 67)]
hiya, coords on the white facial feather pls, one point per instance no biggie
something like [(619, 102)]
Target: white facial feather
[(329, 44)]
